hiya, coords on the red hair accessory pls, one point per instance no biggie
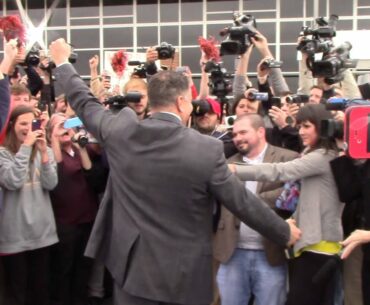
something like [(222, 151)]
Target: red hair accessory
[(208, 46), (118, 62), (12, 28)]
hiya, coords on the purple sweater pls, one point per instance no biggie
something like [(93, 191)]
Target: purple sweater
[(74, 201)]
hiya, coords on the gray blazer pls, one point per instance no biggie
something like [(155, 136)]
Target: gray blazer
[(319, 210), (154, 227)]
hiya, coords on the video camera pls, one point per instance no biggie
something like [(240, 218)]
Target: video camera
[(82, 139), (335, 60), (321, 36), (219, 80), (238, 39), (355, 130), (333, 64), (165, 51), (117, 102), (297, 99), (261, 96), (140, 69)]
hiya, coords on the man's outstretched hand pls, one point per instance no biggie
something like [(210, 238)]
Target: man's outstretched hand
[(295, 232)]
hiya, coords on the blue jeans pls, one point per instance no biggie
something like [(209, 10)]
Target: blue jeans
[(248, 272)]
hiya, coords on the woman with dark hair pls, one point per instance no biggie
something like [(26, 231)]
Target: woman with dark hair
[(27, 225), (318, 213), (242, 104)]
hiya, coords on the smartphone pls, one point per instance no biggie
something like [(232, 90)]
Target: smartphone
[(36, 124), (276, 101), (72, 123)]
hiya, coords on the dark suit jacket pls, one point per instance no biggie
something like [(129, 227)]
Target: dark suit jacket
[(227, 235), (154, 227)]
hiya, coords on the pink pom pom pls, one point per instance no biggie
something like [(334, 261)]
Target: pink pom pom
[(12, 28), (209, 48), (118, 62)]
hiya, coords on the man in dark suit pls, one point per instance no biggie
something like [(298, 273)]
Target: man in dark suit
[(250, 264), (154, 227)]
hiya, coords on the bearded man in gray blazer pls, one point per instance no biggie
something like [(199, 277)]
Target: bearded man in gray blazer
[(154, 227)]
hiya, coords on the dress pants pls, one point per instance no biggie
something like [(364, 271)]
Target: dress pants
[(121, 297), (70, 268), (311, 281)]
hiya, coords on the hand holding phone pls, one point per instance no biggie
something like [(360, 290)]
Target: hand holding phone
[(36, 124)]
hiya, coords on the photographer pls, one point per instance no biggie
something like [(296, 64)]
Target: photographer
[(138, 85), (284, 133), (209, 122), (353, 178), (307, 82), (75, 205), (28, 173)]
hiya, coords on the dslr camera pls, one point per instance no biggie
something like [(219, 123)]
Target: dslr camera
[(238, 35), (165, 51)]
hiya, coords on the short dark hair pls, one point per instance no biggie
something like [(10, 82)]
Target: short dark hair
[(255, 119), (239, 98), (165, 86), (315, 113)]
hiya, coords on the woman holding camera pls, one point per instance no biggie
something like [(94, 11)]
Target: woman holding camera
[(27, 225), (318, 213), (75, 204)]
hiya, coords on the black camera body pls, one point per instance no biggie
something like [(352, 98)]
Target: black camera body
[(117, 102), (238, 39), (140, 69), (81, 140), (200, 107), (165, 51), (333, 64), (321, 36), (219, 79), (335, 60), (297, 99), (312, 46)]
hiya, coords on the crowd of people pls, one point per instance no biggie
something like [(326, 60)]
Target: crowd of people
[(157, 202)]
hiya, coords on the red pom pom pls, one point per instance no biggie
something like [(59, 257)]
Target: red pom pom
[(118, 62), (12, 28), (209, 48)]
